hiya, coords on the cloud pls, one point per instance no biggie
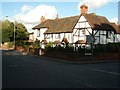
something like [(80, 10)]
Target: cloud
[(93, 4), (26, 8), (30, 16), (115, 20)]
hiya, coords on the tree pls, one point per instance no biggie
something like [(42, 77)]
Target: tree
[(7, 29), (5, 37), (21, 32)]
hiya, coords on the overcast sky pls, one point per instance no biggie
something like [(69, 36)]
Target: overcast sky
[(29, 13)]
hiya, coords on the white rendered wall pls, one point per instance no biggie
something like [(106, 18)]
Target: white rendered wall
[(41, 36), (31, 37), (42, 31), (35, 34)]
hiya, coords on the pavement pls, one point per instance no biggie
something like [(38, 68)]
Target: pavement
[(79, 62), (86, 61), (62, 60)]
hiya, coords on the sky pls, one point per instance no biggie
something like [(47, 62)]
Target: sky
[(29, 13)]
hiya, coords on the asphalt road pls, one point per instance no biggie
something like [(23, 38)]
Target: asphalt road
[(23, 71)]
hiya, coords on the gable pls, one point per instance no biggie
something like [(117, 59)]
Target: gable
[(82, 23)]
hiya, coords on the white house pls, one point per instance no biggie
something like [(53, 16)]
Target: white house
[(31, 37), (39, 32), (81, 29)]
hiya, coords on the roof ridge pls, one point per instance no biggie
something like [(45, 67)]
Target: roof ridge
[(96, 15), (69, 17)]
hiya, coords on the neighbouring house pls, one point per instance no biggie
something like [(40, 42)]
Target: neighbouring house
[(39, 32), (31, 37), (81, 29)]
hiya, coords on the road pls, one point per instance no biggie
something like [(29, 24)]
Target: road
[(24, 71)]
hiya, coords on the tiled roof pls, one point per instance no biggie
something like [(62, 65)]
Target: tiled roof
[(60, 25), (98, 22), (65, 25), (117, 27)]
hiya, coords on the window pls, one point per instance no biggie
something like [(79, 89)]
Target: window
[(83, 31), (108, 34), (47, 36), (51, 35), (68, 36), (57, 36), (64, 35), (89, 39), (38, 33)]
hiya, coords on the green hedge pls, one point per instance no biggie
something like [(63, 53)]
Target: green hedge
[(107, 48)]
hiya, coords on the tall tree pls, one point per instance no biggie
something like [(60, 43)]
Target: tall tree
[(8, 31)]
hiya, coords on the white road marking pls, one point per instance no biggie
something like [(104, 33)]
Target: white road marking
[(13, 65), (115, 73), (89, 85)]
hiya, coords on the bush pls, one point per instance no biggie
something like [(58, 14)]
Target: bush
[(107, 48), (36, 45), (69, 49), (100, 48), (49, 45), (113, 47)]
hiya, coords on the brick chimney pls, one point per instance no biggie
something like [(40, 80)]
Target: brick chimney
[(42, 19), (83, 9)]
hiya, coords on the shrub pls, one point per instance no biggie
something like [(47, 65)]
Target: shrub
[(69, 49), (107, 48), (49, 45), (36, 45)]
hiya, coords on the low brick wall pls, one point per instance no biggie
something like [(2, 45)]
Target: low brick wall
[(83, 57), (107, 56)]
